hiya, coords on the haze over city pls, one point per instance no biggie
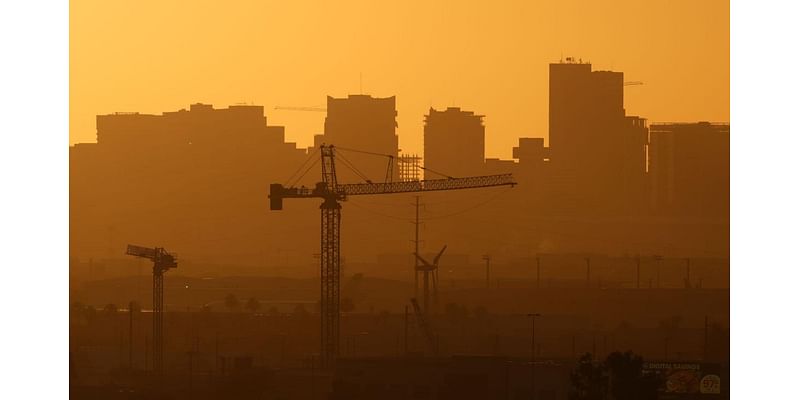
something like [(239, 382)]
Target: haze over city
[(303, 200), (153, 56)]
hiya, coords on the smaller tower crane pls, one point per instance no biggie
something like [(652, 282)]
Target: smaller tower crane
[(162, 262)]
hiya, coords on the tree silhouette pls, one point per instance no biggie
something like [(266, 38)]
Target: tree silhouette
[(231, 302), (626, 381), (719, 339), (619, 377), (253, 304), (589, 381)]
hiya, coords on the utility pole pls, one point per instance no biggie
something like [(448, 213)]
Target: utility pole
[(588, 272), (688, 273), (533, 353), (658, 271), (638, 271), (405, 333), (705, 338), (130, 334), (417, 223), (488, 260)]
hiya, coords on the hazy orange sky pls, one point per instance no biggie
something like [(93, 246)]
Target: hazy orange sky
[(487, 57)]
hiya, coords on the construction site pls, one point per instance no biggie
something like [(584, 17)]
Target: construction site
[(212, 259)]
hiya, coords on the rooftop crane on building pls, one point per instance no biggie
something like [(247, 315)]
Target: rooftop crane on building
[(162, 262), (332, 194)]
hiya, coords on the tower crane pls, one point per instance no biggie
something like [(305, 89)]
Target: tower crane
[(430, 277), (333, 194), (162, 262)]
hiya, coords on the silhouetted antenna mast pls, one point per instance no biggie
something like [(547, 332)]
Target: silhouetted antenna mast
[(488, 259)]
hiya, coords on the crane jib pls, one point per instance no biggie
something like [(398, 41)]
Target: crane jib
[(471, 182), (278, 192)]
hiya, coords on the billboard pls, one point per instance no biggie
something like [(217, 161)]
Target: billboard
[(685, 379)]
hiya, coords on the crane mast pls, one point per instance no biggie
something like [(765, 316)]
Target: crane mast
[(162, 262), (332, 194)]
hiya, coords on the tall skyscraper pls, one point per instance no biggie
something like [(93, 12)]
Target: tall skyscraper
[(689, 168), (454, 142), (364, 123), (596, 152), (195, 178)]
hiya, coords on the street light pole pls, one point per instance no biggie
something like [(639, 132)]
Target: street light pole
[(533, 353)]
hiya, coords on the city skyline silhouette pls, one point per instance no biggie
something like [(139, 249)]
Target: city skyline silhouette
[(492, 60), (405, 201)]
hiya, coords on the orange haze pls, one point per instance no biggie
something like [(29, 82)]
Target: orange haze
[(488, 57)]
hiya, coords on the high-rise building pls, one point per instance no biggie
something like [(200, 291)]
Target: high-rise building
[(689, 169), (366, 124), (202, 125), (530, 153), (453, 143), (196, 179), (597, 154)]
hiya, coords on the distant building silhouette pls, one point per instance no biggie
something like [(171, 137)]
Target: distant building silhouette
[(494, 166), (532, 157), (179, 178), (689, 168), (594, 149), (365, 123), (201, 125), (196, 180), (454, 142)]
